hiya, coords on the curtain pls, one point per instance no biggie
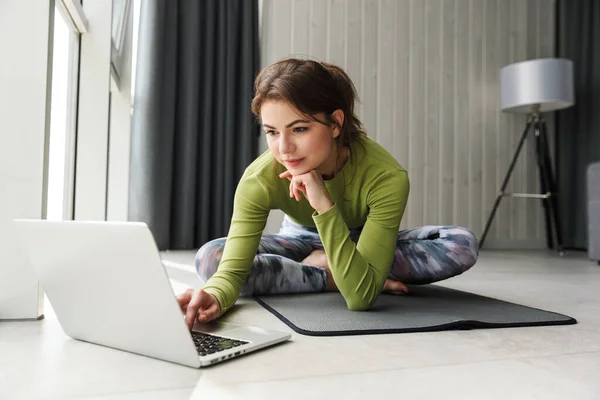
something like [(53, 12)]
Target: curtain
[(578, 127), (193, 133)]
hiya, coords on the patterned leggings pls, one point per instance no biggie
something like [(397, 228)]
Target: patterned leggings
[(423, 255)]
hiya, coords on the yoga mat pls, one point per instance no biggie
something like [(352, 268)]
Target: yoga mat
[(426, 308)]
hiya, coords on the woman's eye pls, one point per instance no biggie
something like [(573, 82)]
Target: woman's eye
[(300, 129), (271, 133)]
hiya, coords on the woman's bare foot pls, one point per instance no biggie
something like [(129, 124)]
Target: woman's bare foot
[(395, 287), (318, 258)]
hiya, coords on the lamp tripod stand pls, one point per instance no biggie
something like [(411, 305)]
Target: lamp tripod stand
[(548, 189)]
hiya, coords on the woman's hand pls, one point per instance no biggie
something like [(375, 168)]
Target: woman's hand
[(198, 304), (312, 186)]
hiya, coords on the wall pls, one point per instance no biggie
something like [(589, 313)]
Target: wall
[(427, 73), (24, 116)]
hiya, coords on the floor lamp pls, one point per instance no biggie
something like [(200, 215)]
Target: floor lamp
[(533, 87)]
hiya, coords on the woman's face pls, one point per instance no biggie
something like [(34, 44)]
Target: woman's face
[(298, 143)]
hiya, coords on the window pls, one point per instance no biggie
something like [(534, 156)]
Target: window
[(120, 14), (65, 61)]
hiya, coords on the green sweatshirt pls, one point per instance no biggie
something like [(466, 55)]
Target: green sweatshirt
[(371, 190)]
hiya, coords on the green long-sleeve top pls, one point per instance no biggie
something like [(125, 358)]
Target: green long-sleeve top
[(370, 191)]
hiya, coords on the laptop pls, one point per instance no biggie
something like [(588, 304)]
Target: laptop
[(108, 286)]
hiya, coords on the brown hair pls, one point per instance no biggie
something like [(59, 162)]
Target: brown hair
[(312, 87)]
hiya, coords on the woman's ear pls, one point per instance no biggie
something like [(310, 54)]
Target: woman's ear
[(338, 116)]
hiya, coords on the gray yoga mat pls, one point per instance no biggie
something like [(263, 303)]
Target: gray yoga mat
[(426, 308)]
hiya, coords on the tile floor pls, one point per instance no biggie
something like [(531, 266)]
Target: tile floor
[(38, 361)]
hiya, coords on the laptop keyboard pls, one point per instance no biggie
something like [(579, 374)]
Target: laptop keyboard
[(208, 344)]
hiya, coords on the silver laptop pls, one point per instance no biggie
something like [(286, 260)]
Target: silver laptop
[(108, 286)]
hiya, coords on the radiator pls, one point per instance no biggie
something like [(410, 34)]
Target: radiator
[(593, 211)]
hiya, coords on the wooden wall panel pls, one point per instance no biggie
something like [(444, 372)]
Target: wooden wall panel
[(427, 75)]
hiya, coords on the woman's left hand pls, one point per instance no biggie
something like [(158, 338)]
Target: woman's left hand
[(312, 186)]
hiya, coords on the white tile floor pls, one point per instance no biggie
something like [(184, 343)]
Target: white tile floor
[(38, 361)]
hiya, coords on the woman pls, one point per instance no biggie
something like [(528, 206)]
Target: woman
[(343, 195)]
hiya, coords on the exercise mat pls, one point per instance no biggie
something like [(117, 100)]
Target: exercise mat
[(426, 308)]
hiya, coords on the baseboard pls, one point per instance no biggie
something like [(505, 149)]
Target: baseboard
[(514, 244), (41, 317)]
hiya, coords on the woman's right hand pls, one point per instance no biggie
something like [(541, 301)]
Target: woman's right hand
[(198, 304)]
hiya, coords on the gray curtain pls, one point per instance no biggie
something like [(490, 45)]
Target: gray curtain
[(578, 128), (193, 133)]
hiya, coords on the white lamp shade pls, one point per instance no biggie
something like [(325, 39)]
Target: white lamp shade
[(547, 82)]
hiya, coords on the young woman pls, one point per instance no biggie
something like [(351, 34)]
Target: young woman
[(343, 196)]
